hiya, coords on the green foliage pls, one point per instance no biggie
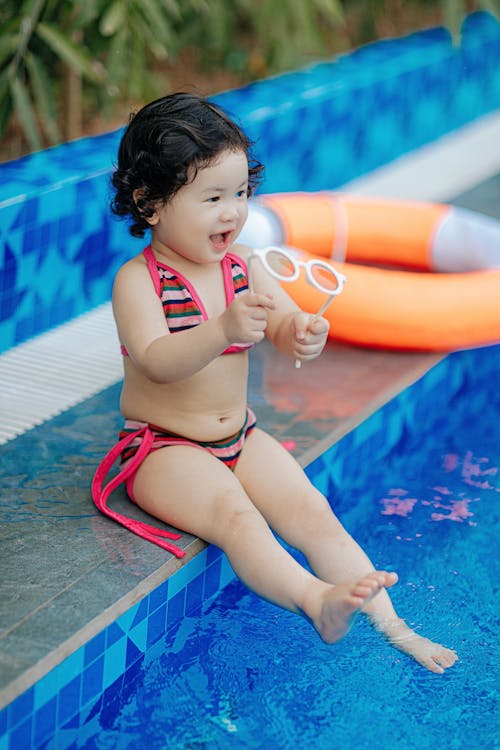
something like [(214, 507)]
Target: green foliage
[(261, 38), (53, 52), (115, 49), (38, 38)]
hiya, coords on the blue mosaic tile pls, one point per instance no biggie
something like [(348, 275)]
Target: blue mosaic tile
[(227, 574), (212, 579), (94, 648), (213, 553), (157, 622), (175, 609), (138, 635), (194, 594), (46, 688), (126, 619), (73, 723), (20, 737), (92, 680), (45, 721), (141, 612), (133, 653), (21, 708), (73, 664), (114, 633), (111, 697), (196, 566), (114, 662), (93, 708), (178, 582), (411, 91), (158, 597)]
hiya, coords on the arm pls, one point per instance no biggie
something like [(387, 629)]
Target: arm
[(164, 357)]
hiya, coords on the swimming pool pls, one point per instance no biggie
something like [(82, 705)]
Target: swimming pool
[(242, 673), (66, 646)]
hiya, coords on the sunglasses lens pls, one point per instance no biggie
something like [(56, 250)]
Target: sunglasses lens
[(324, 278), (280, 264)]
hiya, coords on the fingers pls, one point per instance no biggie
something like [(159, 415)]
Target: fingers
[(310, 333), (253, 299), (309, 324), (318, 326), (301, 323), (258, 306), (245, 320)]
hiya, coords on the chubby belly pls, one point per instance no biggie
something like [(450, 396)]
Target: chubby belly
[(210, 405)]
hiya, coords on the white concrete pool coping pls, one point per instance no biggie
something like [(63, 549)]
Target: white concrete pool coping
[(82, 357)]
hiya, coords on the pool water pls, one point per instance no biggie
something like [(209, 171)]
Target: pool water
[(244, 674)]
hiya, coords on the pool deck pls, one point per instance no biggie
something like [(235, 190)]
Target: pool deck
[(67, 571)]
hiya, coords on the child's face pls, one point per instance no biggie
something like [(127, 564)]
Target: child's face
[(204, 217)]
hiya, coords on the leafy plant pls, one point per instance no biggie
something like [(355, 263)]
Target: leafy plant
[(35, 45), (62, 58), (56, 56), (262, 38), (49, 49)]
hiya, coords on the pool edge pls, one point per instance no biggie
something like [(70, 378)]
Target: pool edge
[(168, 571)]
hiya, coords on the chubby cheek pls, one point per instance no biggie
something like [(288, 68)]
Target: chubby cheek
[(243, 214)]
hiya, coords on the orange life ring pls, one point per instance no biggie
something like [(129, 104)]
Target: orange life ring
[(420, 309)]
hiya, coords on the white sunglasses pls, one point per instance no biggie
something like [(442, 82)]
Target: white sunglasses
[(282, 264)]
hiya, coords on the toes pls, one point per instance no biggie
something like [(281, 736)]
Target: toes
[(433, 666), (366, 588), (446, 658), (439, 661), (371, 584), (384, 579)]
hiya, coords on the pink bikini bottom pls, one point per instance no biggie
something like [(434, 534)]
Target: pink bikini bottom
[(136, 441)]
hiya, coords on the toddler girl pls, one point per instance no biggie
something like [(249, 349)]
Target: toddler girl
[(193, 455)]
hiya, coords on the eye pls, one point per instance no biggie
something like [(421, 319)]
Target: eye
[(242, 193), (213, 199)]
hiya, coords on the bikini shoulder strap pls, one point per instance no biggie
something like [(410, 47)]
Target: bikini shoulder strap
[(152, 268)]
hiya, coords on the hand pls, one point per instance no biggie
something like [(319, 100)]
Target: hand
[(245, 320), (309, 334)]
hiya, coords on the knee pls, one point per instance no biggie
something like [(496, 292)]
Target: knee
[(236, 517), (320, 520), (244, 521)]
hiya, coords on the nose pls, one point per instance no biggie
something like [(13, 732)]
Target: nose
[(229, 214), (230, 210)]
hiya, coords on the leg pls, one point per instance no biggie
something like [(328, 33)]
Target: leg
[(302, 516), (192, 490)]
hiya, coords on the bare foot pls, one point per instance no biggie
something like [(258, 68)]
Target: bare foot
[(430, 655), (341, 603)]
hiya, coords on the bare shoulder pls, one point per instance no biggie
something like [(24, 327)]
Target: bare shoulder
[(132, 286), (132, 270)]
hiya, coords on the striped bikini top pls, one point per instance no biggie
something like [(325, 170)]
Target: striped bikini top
[(182, 306)]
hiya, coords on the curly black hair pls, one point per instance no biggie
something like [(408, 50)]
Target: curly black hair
[(164, 145)]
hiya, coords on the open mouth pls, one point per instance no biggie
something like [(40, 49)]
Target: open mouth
[(222, 240)]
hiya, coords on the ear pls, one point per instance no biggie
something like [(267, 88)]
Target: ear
[(137, 195)]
